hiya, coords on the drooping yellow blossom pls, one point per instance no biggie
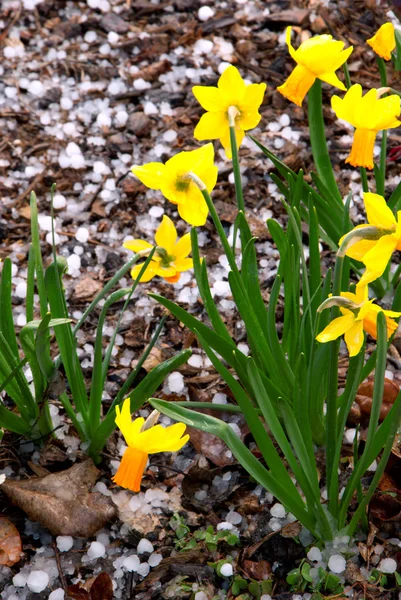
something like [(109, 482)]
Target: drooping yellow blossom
[(231, 93), (316, 58), (383, 42), (368, 114), (374, 243), (174, 181), (142, 441), (359, 314), (170, 258)]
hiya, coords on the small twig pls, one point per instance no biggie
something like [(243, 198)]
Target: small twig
[(60, 571), (32, 186)]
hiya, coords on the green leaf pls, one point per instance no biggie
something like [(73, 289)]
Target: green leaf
[(394, 201), (242, 454), (274, 342), (305, 572), (256, 337), (250, 277), (17, 388), (30, 291), (200, 269), (40, 281), (97, 383), (318, 141), (315, 274), (227, 349), (131, 378), (262, 440), (65, 337), (12, 422), (6, 309)]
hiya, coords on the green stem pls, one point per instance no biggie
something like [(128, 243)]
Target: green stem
[(318, 141), (232, 113), (364, 178), (348, 81), (332, 392), (236, 170)]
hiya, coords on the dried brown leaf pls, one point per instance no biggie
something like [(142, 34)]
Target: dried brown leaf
[(259, 570), (62, 501), (10, 543), (86, 289), (102, 588)]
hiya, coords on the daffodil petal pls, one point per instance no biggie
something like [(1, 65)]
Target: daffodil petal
[(290, 47), (130, 472), (194, 211), (388, 109), (211, 126), (166, 235), (231, 85), (377, 259), (332, 79), (183, 247), (353, 337), (363, 144), (383, 42), (147, 275), (253, 97), (336, 328), (297, 85), (137, 245), (166, 272), (377, 211), (209, 97), (124, 422), (150, 174), (184, 264)]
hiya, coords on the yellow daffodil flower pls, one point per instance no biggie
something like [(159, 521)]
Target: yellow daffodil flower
[(230, 95), (143, 439), (383, 42), (174, 181), (373, 243), (359, 314), (170, 258), (316, 58), (368, 114)]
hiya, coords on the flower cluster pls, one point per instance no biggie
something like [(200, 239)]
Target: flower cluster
[(187, 179), (319, 58)]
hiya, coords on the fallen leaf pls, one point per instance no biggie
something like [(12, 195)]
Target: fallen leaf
[(102, 588), (76, 592), (86, 289), (62, 501), (364, 400), (211, 446), (153, 360), (10, 543), (99, 588), (259, 570)]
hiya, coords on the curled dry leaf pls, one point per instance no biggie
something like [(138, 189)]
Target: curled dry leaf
[(86, 289), (362, 406), (62, 501), (259, 570), (10, 543), (99, 588)]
